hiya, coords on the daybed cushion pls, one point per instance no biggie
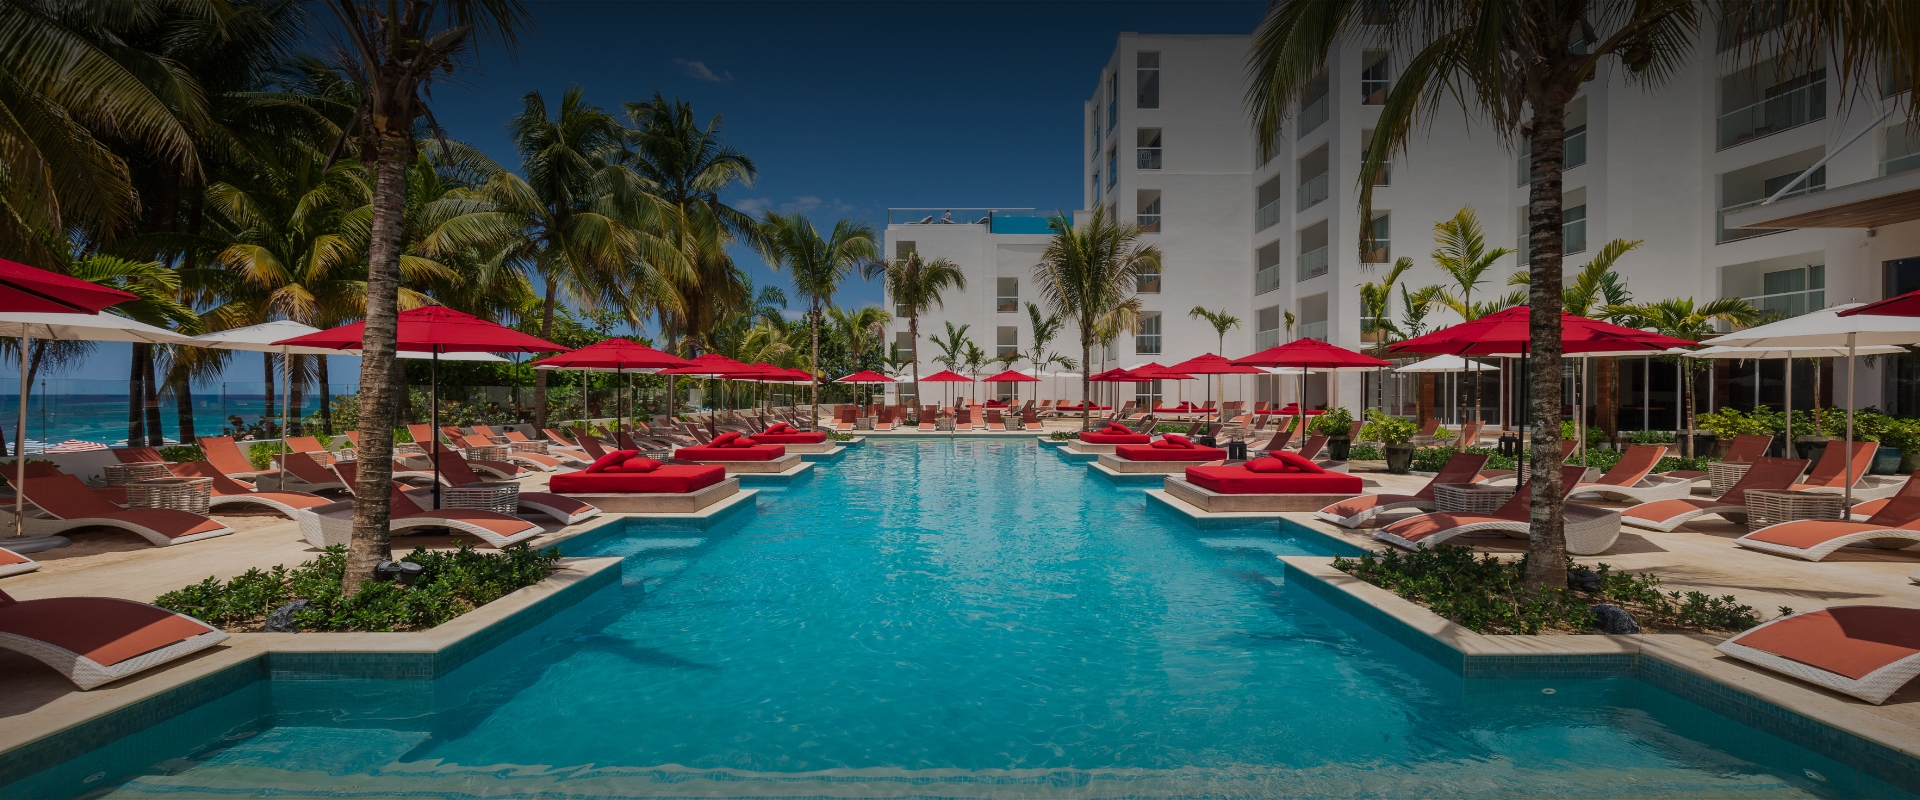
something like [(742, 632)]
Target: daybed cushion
[(668, 478), (791, 437), (1240, 480), (608, 461), (1145, 452), (1096, 437), (764, 452)]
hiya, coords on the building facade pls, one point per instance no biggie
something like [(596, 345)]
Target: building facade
[(1272, 233)]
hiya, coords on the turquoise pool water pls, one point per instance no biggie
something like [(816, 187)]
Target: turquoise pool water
[(952, 619)]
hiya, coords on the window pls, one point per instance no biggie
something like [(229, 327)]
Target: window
[(1147, 341), (1006, 340), (1374, 79), (1312, 262), (1113, 100), (1382, 176), (1522, 248), (1750, 21), (1147, 282), (1266, 204), (1266, 328), (1266, 269), (1147, 156), (1314, 108), (1096, 188), (1573, 229), (1113, 168), (1147, 81), (1751, 107), (1903, 151), (1096, 130), (1009, 300), (1149, 204), (1792, 292), (1382, 252), (903, 345), (1313, 317), (1313, 180)]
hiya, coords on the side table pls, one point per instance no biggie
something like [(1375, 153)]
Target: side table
[(1471, 498), (184, 494), (489, 452), (502, 497), (538, 446), (123, 474), (1771, 507)]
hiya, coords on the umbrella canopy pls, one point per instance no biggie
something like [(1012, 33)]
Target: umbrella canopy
[(1116, 375), (1210, 364), (946, 376), (1153, 371), (1906, 305), (1506, 332), (263, 338), (714, 365), (1310, 354), (84, 328), (1441, 364), (25, 289), (1790, 352), (1011, 376), (421, 355), (1830, 327), (615, 354), (434, 329), (863, 376)]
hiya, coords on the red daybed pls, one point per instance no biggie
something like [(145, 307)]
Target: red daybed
[(626, 471), (1301, 476), (758, 452), (796, 437), (1096, 437), (1172, 450)]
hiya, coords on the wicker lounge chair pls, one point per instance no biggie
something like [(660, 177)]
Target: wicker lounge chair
[(227, 491), (1830, 474), (301, 473), (1632, 479), (1666, 515), (1869, 652), (311, 446), (332, 524), (1744, 450), (97, 640), (71, 504), (1895, 525), (1460, 468), (12, 563), (454, 471), (1589, 530), (224, 455)]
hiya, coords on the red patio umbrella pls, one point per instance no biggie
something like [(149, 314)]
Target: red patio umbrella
[(947, 376), (24, 288), (1115, 375), (863, 376), (436, 330), (1905, 305), (1211, 364), (1308, 354), (616, 354), (1012, 376), (713, 365)]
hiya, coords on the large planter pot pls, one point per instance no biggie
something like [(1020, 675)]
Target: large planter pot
[(1909, 462), (1399, 458), (1886, 461), (1810, 447), (1704, 444), (1338, 448), (1720, 448)]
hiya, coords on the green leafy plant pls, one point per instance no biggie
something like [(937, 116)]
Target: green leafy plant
[(451, 583), (1487, 595), (1335, 422), (182, 452), (260, 454), (1387, 429), (1064, 436), (1595, 436), (1651, 437), (1366, 452), (1728, 423)]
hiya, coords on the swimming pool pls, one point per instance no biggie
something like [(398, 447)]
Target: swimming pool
[(965, 618)]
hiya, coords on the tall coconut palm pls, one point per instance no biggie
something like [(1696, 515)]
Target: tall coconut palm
[(1519, 65), (395, 48), (1376, 303), (915, 286), (1594, 290), (1680, 318), (1462, 253), (816, 265), (1046, 328), (1088, 274), (863, 329)]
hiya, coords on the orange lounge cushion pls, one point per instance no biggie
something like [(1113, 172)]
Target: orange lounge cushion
[(1807, 533), (1364, 503), (1142, 452), (669, 479), (1851, 641), (1240, 480), (1099, 437), (791, 436), (104, 629), (764, 452)]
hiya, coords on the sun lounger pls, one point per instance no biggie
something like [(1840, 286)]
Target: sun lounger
[(1868, 652), (71, 505), (1744, 450), (455, 471), (1666, 515), (97, 640), (1470, 434), (1631, 480), (1830, 476), (1258, 477), (1425, 436), (994, 421), (1497, 475), (311, 446), (1460, 468), (227, 491), (1310, 449), (1894, 526), (534, 460), (1589, 530), (1169, 448), (300, 472), (224, 455), (1274, 444), (12, 563), (332, 524), (138, 455)]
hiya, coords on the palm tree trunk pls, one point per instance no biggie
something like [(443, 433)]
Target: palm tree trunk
[(296, 392), (273, 378), (183, 407), (326, 398), (136, 400), (1086, 375), (813, 330), (1608, 416), (913, 331), (540, 375), (1546, 542), (151, 402), (379, 391)]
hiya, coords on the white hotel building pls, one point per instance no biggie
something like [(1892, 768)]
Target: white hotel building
[(1167, 142)]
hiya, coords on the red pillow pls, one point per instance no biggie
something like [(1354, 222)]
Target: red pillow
[(639, 465), (1268, 464), (1178, 440), (723, 439), (606, 462), (742, 442), (778, 427), (1166, 445), (1296, 460), (1115, 427)]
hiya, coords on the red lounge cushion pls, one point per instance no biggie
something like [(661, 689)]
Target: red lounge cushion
[(1177, 439), (723, 439), (743, 441), (1115, 427), (603, 463), (1301, 462), (1270, 465), (1102, 437), (791, 437), (639, 465), (1137, 452), (765, 452), (669, 478), (1240, 480), (779, 427)]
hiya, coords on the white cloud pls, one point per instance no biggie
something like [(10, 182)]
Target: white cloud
[(754, 205), (793, 313), (700, 71)]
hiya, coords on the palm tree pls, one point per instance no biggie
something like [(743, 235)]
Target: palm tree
[(816, 265), (1519, 65), (1376, 303), (1221, 322), (1594, 290), (1089, 274), (1679, 318), (1462, 254), (915, 286), (1046, 328), (863, 330), (952, 347), (395, 49)]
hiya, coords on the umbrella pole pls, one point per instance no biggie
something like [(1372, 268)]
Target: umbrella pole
[(286, 382), (1788, 451), (433, 427), (1848, 468), (20, 450)]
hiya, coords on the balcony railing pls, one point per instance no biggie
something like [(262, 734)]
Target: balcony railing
[(1791, 304), (1899, 164), (1007, 305), (1147, 157), (1574, 147), (1312, 115), (1789, 109), (1311, 192), (1736, 234), (1266, 280), (1266, 339), (1148, 283), (1266, 217), (1147, 344), (1150, 223), (1520, 250), (1313, 263), (1314, 330)]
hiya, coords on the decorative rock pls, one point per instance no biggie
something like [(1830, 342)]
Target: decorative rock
[(1585, 580), (281, 620), (1614, 619)]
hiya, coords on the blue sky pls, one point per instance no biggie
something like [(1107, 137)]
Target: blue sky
[(848, 108)]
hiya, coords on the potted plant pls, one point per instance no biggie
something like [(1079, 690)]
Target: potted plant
[(1337, 425), (1810, 431), (1724, 425), (1396, 437)]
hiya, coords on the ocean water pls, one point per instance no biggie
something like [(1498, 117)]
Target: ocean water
[(961, 618), (102, 418)]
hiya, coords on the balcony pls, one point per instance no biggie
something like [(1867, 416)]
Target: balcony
[(1788, 109), (1311, 192), (1314, 330), (1147, 283), (1313, 115), (1312, 264), (1149, 223), (1147, 158), (1899, 164), (1263, 340), (1736, 234), (1266, 280), (1266, 217)]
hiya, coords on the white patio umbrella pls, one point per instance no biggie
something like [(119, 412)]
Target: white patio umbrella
[(1789, 353), (1826, 328), (26, 327), (1443, 364), (261, 338)]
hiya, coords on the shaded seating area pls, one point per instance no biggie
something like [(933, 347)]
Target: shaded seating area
[(1895, 525), (1461, 468), (98, 640), (1666, 515), (1868, 652), (1281, 482), (70, 504), (1632, 479), (229, 492), (331, 524), (1589, 530)]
